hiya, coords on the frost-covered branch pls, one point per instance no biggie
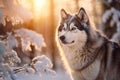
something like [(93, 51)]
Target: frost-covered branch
[(115, 17), (42, 63), (12, 57), (30, 36), (111, 19), (5, 67), (40, 66)]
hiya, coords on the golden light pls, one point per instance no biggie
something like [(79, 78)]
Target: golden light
[(40, 7), (39, 4)]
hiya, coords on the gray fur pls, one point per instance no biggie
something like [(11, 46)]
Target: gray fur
[(89, 54)]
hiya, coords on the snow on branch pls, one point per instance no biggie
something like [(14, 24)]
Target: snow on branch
[(4, 67), (115, 16), (30, 36), (2, 50), (41, 66), (42, 61), (12, 57)]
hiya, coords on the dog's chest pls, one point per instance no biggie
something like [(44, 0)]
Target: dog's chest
[(74, 60), (91, 72)]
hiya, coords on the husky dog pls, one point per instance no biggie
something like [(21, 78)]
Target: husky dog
[(88, 53)]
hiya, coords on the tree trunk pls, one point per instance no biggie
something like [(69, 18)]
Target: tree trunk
[(77, 5), (49, 33)]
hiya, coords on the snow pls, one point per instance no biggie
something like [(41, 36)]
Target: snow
[(2, 50), (116, 37), (39, 69), (115, 17), (47, 63), (25, 44), (42, 71), (11, 41), (12, 57), (4, 67), (60, 75), (30, 36), (42, 63)]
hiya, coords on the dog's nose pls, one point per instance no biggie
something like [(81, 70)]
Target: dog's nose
[(62, 38)]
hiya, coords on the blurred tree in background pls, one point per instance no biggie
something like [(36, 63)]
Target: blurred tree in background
[(111, 17)]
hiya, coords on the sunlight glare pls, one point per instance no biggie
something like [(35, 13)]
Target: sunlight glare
[(39, 4)]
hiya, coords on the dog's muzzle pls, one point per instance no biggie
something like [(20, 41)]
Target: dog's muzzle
[(62, 38)]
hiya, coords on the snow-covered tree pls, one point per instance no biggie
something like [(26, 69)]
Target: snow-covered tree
[(20, 47), (4, 67), (111, 19)]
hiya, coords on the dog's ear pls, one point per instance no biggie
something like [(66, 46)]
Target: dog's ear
[(64, 14), (83, 16)]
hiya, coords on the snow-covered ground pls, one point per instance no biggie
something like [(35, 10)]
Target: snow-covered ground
[(43, 71), (60, 75), (39, 69)]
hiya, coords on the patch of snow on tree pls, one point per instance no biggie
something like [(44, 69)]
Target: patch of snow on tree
[(25, 44), (11, 41), (42, 63), (116, 37), (2, 50), (4, 67), (12, 57), (115, 16), (31, 36)]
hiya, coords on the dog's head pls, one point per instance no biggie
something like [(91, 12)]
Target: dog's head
[(73, 28)]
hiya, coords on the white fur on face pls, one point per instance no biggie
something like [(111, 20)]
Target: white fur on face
[(79, 37)]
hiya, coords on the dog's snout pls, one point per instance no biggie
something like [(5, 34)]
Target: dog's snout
[(62, 38)]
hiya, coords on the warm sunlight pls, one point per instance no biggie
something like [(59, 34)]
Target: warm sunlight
[(39, 6)]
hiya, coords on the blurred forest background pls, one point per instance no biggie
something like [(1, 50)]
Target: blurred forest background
[(43, 16)]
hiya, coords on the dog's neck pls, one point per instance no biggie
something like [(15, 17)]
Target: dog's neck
[(83, 55), (84, 60)]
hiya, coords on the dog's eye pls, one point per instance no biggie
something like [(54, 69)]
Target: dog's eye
[(64, 28), (60, 27), (73, 28)]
